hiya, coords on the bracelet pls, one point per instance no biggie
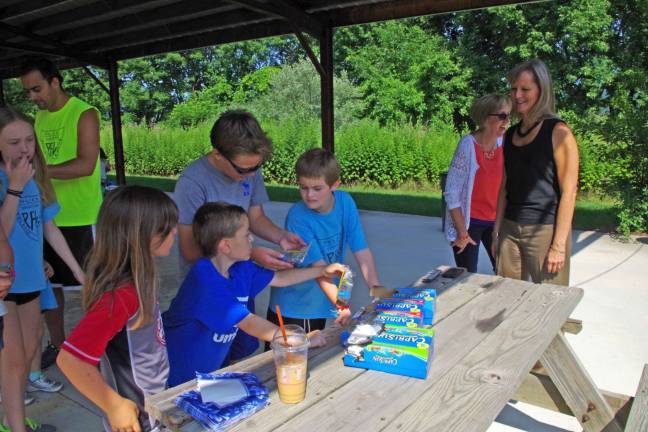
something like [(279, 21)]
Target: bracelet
[(555, 249), (14, 192)]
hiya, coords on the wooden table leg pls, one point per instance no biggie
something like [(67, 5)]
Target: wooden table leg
[(577, 388)]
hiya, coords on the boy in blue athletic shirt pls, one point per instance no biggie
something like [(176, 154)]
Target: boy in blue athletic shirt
[(211, 304), (328, 219)]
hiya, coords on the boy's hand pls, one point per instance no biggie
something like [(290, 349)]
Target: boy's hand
[(123, 417), (5, 283), (333, 270), (317, 339), (291, 241), (344, 317), (49, 270), (269, 258)]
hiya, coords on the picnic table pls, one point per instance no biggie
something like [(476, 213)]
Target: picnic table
[(490, 332)]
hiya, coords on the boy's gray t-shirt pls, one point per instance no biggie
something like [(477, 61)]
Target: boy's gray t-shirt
[(200, 183)]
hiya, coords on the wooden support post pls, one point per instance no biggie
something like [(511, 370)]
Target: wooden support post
[(2, 96), (577, 388), (638, 419), (115, 113), (326, 59)]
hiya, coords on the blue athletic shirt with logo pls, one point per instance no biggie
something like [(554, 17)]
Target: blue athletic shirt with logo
[(328, 234), (26, 237), (200, 324)]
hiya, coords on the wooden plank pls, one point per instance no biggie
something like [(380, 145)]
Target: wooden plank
[(373, 398), (162, 406), (471, 395), (638, 419), (577, 388), (539, 390)]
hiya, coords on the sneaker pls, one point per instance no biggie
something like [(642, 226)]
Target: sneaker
[(34, 426), (49, 356), (44, 384), (28, 401)]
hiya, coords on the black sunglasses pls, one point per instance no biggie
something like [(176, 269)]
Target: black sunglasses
[(501, 116), (241, 170)]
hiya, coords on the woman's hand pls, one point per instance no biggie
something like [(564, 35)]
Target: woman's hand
[(5, 283), (19, 173), (123, 417), (462, 241), (316, 338), (555, 259)]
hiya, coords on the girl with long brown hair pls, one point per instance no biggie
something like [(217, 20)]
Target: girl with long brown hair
[(122, 329), (27, 208)]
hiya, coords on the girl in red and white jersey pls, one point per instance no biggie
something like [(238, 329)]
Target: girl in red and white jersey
[(122, 329)]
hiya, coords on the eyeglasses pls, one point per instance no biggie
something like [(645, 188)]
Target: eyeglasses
[(242, 170), (501, 116)]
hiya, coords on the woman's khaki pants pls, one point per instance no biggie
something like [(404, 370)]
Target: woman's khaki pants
[(522, 251)]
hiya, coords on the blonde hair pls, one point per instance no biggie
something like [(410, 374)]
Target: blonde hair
[(130, 219), (41, 176), (545, 106), (316, 163), (486, 105)]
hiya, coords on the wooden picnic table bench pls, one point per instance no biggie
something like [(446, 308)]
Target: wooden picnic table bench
[(490, 332)]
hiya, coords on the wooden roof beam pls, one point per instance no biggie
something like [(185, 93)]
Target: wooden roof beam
[(285, 10), (80, 57), (389, 10)]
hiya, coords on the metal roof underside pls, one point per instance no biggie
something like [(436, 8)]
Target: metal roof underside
[(96, 32)]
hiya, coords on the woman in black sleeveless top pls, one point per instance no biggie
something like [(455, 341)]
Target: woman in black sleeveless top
[(538, 193)]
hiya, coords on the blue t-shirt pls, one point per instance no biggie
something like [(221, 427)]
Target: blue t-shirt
[(26, 237), (328, 234), (200, 324)]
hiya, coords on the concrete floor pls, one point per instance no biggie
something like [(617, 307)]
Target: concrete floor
[(612, 345)]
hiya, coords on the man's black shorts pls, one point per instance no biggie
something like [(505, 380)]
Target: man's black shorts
[(80, 240)]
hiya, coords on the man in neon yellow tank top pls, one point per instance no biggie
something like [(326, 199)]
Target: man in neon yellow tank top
[(67, 129)]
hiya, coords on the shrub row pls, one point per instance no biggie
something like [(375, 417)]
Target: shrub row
[(369, 154)]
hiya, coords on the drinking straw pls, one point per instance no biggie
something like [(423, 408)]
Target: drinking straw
[(281, 325)]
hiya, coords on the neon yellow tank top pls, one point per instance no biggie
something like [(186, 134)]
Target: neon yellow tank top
[(80, 198)]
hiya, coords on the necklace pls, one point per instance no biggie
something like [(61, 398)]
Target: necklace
[(488, 154), (521, 134)]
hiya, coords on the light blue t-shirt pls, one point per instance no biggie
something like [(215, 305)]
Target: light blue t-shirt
[(328, 234), (26, 237)]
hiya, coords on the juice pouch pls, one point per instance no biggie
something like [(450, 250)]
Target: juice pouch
[(344, 288), (296, 256)]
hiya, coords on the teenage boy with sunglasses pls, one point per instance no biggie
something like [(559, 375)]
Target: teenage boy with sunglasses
[(231, 172)]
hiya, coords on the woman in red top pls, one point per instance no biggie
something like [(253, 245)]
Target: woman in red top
[(473, 182)]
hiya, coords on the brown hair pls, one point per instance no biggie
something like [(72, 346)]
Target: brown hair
[(129, 220), (215, 221), (239, 133), (41, 176), (486, 105), (318, 162), (545, 106)]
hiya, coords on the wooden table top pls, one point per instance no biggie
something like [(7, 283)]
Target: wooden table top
[(490, 331)]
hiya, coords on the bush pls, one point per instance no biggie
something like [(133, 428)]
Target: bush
[(368, 153)]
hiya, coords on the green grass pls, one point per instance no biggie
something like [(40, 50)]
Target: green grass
[(592, 213)]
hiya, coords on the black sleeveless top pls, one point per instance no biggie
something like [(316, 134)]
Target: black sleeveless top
[(532, 190)]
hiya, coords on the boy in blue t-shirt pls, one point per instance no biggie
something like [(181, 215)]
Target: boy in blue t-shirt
[(328, 219), (211, 305)]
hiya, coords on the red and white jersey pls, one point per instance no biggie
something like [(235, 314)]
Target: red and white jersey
[(133, 362)]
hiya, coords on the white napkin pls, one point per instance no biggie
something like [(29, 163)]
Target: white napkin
[(222, 392)]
